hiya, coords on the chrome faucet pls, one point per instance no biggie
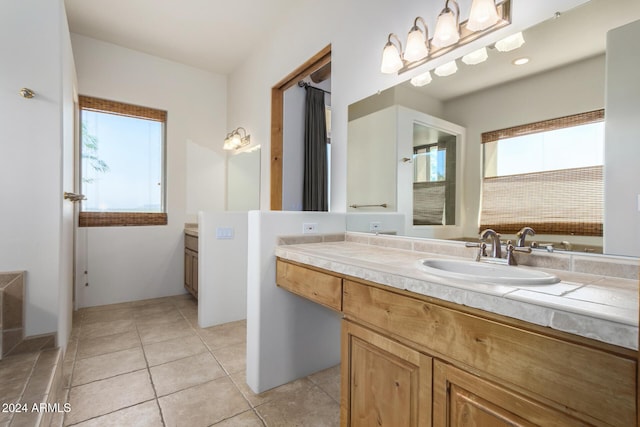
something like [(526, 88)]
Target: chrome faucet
[(496, 249), (522, 235)]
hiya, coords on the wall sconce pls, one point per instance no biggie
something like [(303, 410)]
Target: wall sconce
[(391, 56), (510, 43), (417, 42), (421, 79), (485, 17), (476, 57), (447, 26), (446, 69), (234, 140)]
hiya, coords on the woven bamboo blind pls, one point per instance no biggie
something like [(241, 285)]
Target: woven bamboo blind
[(121, 109), (545, 125), (568, 201), (120, 219)]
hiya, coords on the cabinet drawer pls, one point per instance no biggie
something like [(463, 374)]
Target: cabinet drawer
[(191, 242), (582, 379), (319, 287)]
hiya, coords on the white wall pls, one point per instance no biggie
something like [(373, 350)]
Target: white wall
[(622, 148), (357, 31), (222, 268), (288, 336), (34, 54), (129, 263), (243, 180), (557, 93), (371, 169)]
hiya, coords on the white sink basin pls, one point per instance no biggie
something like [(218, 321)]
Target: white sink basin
[(483, 272)]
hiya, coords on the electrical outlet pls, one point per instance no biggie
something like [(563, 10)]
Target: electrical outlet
[(224, 233), (309, 228), (375, 226)]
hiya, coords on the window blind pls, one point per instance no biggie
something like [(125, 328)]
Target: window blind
[(566, 201)]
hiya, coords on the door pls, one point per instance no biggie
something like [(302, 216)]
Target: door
[(384, 383), (461, 399)]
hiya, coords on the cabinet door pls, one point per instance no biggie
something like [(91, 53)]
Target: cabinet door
[(384, 383), (461, 399), (188, 270), (194, 274)]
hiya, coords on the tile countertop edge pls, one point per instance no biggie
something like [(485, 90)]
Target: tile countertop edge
[(601, 327), (191, 231)]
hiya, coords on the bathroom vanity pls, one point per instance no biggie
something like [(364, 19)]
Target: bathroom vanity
[(419, 350), (191, 261)]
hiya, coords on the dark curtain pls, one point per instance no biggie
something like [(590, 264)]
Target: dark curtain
[(315, 192)]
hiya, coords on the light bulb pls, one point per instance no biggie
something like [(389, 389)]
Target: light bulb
[(483, 15)]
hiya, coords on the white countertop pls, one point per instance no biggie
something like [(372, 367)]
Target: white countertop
[(598, 307)]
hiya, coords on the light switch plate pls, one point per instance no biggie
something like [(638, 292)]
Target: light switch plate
[(224, 233)]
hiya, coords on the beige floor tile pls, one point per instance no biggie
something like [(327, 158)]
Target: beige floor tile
[(177, 348), (224, 335), (90, 347), (169, 316), (101, 329), (125, 313), (283, 391), (105, 396), (329, 381), (232, 358), (108, 365), (203, 405), (163, 332), (143, 415), (245, 419), (161, 307), (184, 373), (311, 407)]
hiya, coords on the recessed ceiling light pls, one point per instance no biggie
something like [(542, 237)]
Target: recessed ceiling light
[(520, 61)]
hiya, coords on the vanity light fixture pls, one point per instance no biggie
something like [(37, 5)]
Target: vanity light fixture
[(417, 42), (446, 69), (447, 30), (476, 57), (391, 56), (483, 15), (449, 34), (235, 140), (510, 43), (421, 79)]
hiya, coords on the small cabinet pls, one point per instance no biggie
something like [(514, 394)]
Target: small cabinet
[(191, 264), (384, 383), (461, 399), (323, 288)]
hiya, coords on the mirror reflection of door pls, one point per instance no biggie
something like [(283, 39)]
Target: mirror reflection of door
[(434, 176)]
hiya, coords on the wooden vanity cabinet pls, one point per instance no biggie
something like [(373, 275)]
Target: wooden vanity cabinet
[(191, 264), (411, 360), (386, 383), (461, 399)]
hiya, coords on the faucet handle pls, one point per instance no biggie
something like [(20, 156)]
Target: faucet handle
[(482, 248), (511, 260)]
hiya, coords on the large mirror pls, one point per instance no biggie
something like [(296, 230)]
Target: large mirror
[(565, 75)]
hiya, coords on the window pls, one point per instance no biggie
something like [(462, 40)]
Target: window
[(434, 174), (547, 175), (121, 164)]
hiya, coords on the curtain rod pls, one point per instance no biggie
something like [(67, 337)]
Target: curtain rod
[(305, 85)]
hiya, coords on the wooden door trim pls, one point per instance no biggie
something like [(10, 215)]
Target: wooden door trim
[(319, 60)]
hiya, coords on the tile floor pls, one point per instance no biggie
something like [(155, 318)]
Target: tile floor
[(147, 363)]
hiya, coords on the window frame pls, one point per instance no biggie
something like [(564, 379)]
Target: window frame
[(121, 219)]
